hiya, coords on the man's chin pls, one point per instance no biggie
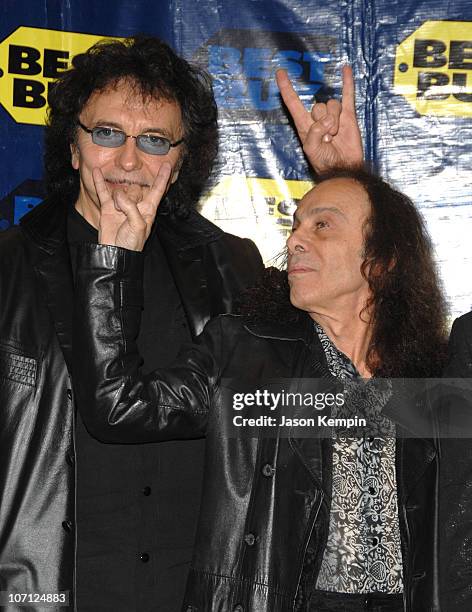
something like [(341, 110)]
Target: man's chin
[(295, 300), (300, 300)]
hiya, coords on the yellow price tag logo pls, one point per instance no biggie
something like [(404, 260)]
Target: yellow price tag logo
[(30, 60), (433, 68)]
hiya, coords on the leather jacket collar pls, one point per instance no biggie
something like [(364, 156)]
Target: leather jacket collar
[(302, 329), (183, 241), (45, 225)]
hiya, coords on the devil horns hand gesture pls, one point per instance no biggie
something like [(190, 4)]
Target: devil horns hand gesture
[(330, 133), (125, 218)]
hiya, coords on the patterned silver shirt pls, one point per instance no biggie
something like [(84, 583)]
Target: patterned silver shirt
[(363, 553)]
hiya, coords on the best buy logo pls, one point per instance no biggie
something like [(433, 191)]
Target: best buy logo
[(257, 208), (30, 59), (433, 68), (238, 196)]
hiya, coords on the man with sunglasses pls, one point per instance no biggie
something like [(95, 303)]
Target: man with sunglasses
[(124, 114)]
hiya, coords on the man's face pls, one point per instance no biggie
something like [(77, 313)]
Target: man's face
[(326, 249), (125, 167)]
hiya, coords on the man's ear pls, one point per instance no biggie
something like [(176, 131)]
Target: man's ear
[(378, 269), (75, 154), (176, 171)]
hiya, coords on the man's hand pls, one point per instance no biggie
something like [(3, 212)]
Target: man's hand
[(330, 133), (125, 221)]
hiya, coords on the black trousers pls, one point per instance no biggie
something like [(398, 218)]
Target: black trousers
[(324, 601)]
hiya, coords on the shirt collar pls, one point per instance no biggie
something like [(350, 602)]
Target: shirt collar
[(339, 364)]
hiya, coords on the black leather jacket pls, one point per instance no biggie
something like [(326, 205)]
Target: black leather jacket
[(455, 524), (37, 460), (264, 499)]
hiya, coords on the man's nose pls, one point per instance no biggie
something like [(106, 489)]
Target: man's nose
[(296, 243), (128, 156)]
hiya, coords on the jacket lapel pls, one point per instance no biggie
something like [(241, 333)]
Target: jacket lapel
[(184, 247), (413, 457), (305, 353), (409, 409), (188, 272), (55, 277), (45, 227), (314, 451)]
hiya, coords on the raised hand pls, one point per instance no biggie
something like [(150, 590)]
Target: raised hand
[(329, 134), (126, 220)]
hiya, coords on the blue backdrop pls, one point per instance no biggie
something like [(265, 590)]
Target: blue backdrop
[(412, 62)]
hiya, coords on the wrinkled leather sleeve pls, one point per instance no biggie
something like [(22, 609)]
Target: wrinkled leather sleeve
[(118, 403), (459, 363), (455, 489)]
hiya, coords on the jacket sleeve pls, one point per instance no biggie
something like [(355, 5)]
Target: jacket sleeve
[(116, 402), (459, 363), (455, 489)]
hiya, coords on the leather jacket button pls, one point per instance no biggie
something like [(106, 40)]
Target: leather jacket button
[(147, 491), (268, 471), (67, 526), (238, 608), (250, 539), (69, 394), (144, 557)]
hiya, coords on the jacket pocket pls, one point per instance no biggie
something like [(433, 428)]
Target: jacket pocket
[(18, 368)]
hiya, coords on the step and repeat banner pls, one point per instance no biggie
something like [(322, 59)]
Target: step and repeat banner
[(413, 69)]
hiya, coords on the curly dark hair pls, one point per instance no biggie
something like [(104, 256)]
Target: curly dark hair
[(409, 313), (155, 71)]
